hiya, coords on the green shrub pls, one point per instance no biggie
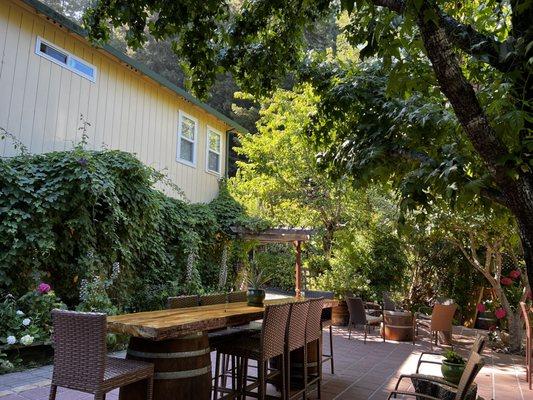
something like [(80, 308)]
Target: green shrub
[(70, 216)]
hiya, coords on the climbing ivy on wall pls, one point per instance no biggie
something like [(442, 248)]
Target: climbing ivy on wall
[(81, 215)]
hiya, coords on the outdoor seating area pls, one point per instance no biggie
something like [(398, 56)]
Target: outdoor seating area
[(255, 199), (363, 371)]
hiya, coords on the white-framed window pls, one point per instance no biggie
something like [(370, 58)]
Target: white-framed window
[(65, 59), (213, 151), (187, 139)]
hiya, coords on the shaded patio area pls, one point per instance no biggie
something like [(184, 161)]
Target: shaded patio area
[(361, 371)]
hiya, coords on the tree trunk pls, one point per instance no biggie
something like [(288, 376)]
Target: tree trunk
[(515, 331), (518, 190)]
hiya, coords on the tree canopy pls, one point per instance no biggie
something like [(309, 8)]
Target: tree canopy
[(475, 57)]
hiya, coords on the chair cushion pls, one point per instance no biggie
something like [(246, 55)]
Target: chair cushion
[(120, 372)]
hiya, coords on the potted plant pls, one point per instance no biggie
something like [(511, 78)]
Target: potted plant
[(256, 278), (452, 366)]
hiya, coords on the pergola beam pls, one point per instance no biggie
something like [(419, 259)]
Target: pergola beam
[(280, 235)]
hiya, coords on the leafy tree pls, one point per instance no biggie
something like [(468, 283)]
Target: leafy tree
[(477, 54), (280, 179)]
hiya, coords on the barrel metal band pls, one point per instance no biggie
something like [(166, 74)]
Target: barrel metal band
[(182, 374), (400, 326), (180, 354)]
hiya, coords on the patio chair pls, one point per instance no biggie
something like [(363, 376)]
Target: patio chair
[(527, 315), (441, 320), (326, 322), (183, 301), (269, 344), (80, 357), (237, 297), (211, 299), (388, 303), (477, 347), (439, 385), (313, 336), (294, 340), (358, 316)]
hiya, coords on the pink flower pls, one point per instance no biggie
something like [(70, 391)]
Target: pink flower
[(515, 274), (44, 288), (528, 295), (481, 307), (506, 281), (500, 313)]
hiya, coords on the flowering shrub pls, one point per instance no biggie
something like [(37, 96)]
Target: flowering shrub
[(506, 281), (515, 274), (500, 313), (27, 320)]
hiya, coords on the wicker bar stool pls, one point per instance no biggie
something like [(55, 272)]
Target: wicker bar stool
[(183, 301), (313, 336), (326, 321), (80, 357), (269, 344), (294, 340), (237, 297), (211, 299)]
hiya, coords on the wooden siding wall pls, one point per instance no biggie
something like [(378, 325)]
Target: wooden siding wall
[(41, 103)]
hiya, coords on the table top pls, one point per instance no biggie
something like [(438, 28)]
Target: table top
[(173, 323)]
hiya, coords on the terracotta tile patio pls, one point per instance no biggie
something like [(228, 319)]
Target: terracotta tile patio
[(362, 371)]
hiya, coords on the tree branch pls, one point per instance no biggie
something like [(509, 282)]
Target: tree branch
[(476, 44), (465, 37)]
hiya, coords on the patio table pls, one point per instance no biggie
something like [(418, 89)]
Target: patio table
[(176, 342)]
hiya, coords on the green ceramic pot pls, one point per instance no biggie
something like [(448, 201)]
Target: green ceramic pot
[(255, 297), (452, 372)]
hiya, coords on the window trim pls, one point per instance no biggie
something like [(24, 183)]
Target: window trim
[(69, 57), (182, 114), (219, 172)]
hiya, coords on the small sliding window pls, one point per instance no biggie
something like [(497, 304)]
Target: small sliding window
[(67, 60)]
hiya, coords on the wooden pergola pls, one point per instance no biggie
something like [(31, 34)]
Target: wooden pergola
[(280, 235)]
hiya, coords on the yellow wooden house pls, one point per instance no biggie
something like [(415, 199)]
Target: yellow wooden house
[(50, 75)]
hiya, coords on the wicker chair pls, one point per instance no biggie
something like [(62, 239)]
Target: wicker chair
[(358, 316), (313, 336), (269, 344), (237, 297), (441, 320), (326, 321), (211, 299), (527, 316), (388, 303), (477, 347), (183, 301), (80, 357), (459, 391), (294, 340)]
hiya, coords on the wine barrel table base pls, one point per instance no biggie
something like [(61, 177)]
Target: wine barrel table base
[(182, 368), (398, 326), (340, 315)]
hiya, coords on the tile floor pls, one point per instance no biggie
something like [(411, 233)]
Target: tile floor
[(362, 371)]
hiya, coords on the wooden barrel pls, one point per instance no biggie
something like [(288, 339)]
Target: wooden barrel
[(340, 315), (398, 326), (182, 367)]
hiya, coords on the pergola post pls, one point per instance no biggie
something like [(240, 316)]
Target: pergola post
[(298, 268)]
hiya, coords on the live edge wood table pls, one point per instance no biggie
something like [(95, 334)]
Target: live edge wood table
[(176, 342)]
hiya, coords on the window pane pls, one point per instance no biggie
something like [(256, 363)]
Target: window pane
[(187, 128), (83, 68), (187, 150), (56, 54), (214, 141), (213, 162)]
